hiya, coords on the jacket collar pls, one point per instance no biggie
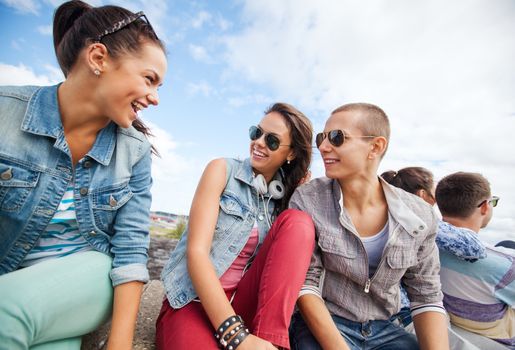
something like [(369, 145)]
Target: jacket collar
[(397, 207), (43, 118), (244, 172)]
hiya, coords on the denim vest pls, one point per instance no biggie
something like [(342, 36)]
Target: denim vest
[(239, 210), (111, 183)]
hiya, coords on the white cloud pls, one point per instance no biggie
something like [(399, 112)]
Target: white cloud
[(199, 53), (23, 6), (22, 75), (201, 87), (222, 23), (175, 177), (441, 70), (45, 30), (200, 19)]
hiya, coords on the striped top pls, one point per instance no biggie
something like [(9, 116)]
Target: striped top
[(479, 291), (61, 237)]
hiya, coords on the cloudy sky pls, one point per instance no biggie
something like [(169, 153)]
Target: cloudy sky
[(442, 70)]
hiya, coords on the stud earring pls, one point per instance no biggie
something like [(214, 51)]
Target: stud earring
[(97, 72), (288, 162)]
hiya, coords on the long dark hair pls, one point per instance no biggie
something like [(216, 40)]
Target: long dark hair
[(77, 24), (411, 179), (301, 136)]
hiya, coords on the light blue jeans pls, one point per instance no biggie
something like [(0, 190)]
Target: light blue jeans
[(372, 335), (50, 305)]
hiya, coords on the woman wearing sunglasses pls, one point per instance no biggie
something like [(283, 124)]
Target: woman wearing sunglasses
[(371, 236), (75, 184), (234, 277)]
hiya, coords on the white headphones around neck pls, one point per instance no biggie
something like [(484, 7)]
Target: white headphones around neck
[(275, 189)]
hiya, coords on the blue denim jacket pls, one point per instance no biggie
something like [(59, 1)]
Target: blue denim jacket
[(239, 209), (111, 183)]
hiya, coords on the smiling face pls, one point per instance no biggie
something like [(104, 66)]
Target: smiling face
[(263, 160), (129, 84), (352, 158)]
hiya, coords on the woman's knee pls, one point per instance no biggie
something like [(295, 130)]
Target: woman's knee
[(15, 329), (297, 223)]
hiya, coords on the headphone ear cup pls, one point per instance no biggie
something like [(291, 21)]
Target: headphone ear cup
[(276, 189), (259, 184)]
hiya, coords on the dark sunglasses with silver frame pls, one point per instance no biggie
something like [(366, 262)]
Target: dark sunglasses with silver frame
[(336, 137), (272, 141), (124, 23), (494, 200)]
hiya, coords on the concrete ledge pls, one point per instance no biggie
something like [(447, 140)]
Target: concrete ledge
[(144, 337)]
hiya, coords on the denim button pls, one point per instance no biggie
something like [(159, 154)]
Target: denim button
[(415, 232), (87, 164), (92, 233), (26, 246), (112, 202), (7, 175), (83, 191), (421, 227)]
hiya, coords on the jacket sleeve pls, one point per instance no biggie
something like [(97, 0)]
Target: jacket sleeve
[(314, 275), (422, 281), (130, 242)]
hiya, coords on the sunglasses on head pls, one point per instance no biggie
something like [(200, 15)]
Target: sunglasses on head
[(124, 23), (271, 140), (494, 200), (335, 137)]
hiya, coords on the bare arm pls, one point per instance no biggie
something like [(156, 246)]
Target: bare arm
[(203, 217), (125, 310), (320, 323), (431, 329)]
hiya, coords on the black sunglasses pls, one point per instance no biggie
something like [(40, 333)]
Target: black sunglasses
[(335, 137), (494, 200), (271, 141), (124, 23)]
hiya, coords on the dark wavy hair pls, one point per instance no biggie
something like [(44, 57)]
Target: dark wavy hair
[(301, 136), (77, 24), (411, 179)]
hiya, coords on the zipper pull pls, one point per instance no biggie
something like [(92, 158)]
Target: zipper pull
[(367, 286)]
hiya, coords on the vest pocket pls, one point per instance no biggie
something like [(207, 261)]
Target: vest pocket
[(16, 184), (231, 214)]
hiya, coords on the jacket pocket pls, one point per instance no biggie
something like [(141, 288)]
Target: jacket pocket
[(338, 254), (106, 201), (399, 259), (16, 184)]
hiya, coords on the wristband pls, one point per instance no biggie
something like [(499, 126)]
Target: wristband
[(224, 326), (238, 339)]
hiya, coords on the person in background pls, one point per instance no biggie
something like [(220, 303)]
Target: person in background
[(416, 180), (370, 236), (478, 280), (75, 183), (239, 266)]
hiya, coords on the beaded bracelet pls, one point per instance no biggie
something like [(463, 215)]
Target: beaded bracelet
[(238, 339), (224, 326)]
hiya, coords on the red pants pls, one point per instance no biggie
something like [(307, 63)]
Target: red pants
[(265, 296)]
